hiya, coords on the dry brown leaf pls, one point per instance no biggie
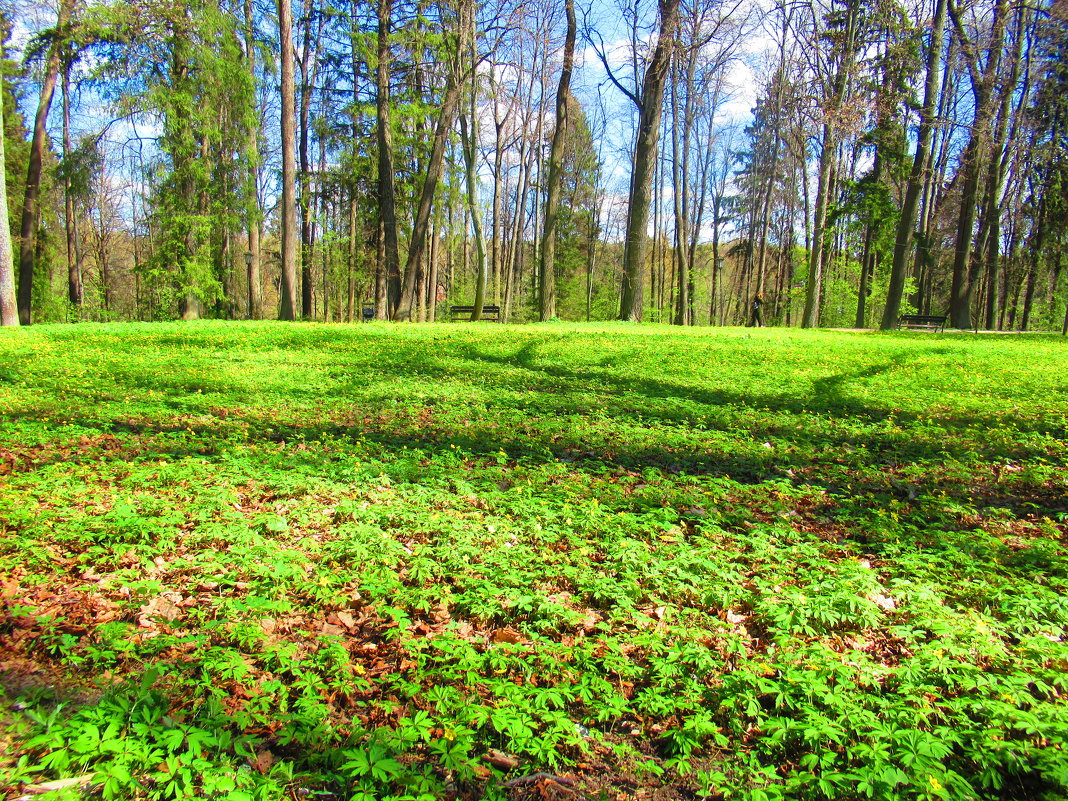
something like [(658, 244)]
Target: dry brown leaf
[(163, 606), (501, 760), (589, 621), (465, 630), (507, 635), (263, 761), (59, 784), (884, 602)]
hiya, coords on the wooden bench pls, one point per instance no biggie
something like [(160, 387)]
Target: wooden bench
[(488, 312), (922, 322), (368, 313)]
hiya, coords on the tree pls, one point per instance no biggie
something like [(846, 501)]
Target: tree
[(453, 58), (706, 45), (421, 224), (650, 104), (253, 213), (9, 315), (311, 32), (30, 204), (384, 151), (983, 73), (918, 176), (1046, 154), (547, 288), (387, 200), (74, 251), (288, 309), (469, 144), (843, 35)]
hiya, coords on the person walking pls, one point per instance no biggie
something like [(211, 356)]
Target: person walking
[(755, 319)]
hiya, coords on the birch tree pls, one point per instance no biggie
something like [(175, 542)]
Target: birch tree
[(9, 314)]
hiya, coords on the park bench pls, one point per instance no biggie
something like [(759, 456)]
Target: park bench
[(488, 312), (368, 313), (922, 322)]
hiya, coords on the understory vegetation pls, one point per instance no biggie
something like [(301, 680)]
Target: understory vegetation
[(264, 561)]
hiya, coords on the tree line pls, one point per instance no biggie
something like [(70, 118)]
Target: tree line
[(385, 158)]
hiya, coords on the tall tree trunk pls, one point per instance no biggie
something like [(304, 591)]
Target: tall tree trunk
[(350, 306), (253, 212), (963, 287), (1054, 281), (387, 199), (515, 251), (591, 263), (9, 314), (309, 67), (1057, 269), (470, 146), (382, 304), (650, 108), (769, 187), (539, 126), (919, 175), (818, 255), (497, 260), (189, 147), (682, 299), (30, 205), (547, 294), (420, 291), (819, 246), (288, 309), (446, 118), (993, 256), (715, 303), (1029, 294), (701, 189), (75, 290), (987, 252), (867, 269), (323, 207), (657, 266), (432, 274), (680, 179)]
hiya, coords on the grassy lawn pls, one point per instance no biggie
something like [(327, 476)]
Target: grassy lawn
[(377, 562)]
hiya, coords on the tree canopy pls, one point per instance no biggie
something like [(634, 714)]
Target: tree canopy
[(902, 156)]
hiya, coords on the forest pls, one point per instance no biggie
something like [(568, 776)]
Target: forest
[(832, 163)]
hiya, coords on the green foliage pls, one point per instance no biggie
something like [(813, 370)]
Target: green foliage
[(191, 77), (16, 139), (259, 561)]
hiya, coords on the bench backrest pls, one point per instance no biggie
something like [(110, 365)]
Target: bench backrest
[(470, 309), (923, 318)]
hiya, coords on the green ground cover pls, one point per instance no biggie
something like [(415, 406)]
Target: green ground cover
[(471, 561)]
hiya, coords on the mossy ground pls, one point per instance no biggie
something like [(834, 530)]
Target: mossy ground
[(257, 560)]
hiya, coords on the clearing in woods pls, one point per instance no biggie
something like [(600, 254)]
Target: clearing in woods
[(266, 561)]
